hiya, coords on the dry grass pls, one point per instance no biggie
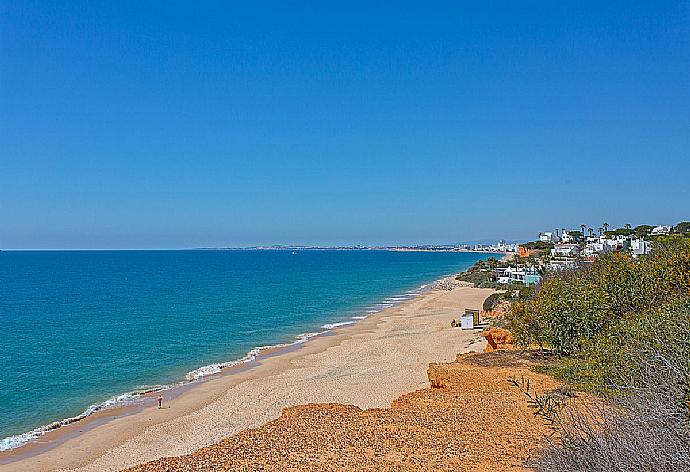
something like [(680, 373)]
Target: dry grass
[(646, 428)]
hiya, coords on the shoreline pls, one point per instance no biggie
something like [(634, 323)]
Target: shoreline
[(54, 438), (136, 399), (120, 405)]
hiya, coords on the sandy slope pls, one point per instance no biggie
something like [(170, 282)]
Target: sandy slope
[(471, 420)]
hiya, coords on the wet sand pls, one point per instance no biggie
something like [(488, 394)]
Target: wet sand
[(368, 364)]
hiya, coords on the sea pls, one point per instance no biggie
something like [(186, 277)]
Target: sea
[(86, 330)]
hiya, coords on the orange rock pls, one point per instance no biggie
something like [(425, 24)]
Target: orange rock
[(498, 339)]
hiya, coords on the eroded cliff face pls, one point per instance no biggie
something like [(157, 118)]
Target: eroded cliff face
[(470, 418), (498, 339)]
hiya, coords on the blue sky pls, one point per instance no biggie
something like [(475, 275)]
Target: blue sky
[(176, 125)]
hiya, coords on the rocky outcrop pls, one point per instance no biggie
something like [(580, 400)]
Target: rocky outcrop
[(498, 339), (450, 283)]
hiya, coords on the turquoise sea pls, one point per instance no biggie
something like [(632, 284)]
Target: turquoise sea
[(80, 328)]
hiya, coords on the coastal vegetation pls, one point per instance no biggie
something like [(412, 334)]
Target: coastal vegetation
[(619, 329), (481, 274)]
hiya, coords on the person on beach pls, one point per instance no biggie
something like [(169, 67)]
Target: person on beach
[(160, 401)]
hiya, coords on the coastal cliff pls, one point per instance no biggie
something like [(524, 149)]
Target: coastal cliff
[(470, 418)]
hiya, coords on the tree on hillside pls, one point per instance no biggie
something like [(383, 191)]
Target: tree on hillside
[(682, 227), (627, 226), (591, 231), (582, 227), (480, 264), (642, 230), (605, 226)]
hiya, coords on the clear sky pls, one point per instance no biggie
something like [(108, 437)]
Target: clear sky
[(170, 125)]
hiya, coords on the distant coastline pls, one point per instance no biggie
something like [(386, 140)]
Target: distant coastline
[(422, 248)]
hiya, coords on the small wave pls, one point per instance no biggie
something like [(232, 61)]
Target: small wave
[(359, 317), (211, 369), (216, 368), (304, 337), (336, 325), (18, 440)]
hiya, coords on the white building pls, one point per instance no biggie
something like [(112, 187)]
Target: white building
[(661, 230), (561, 264), (640, 247), (567, 238), (568, 250), (595, 247), (521, 275), (548, 237), (610, 242)]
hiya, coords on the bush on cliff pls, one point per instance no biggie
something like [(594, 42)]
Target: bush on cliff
[(645, 425), (622, 330), (611, 358), (570, 309)]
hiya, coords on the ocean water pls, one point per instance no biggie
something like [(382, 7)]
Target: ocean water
[(80, 328)]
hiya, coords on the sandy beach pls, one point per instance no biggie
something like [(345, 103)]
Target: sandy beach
[(367, 365)]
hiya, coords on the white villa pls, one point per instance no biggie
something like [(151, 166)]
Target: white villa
[(565, 249), (567, 238), (595, 247), (548, 237), (520, 275), (661, 230), (640, 247)]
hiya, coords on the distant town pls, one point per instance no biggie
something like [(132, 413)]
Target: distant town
[(500, 246), (556, 249)]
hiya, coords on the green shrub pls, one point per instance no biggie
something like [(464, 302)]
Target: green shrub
[(571, 309), (612, 357), (525, 325), (622, 330), (492, 301), (643, 365)]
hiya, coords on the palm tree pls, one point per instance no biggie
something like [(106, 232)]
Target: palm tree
[(628, 226), (591, 230), (582, 227), (601, 230), (605, 226)]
